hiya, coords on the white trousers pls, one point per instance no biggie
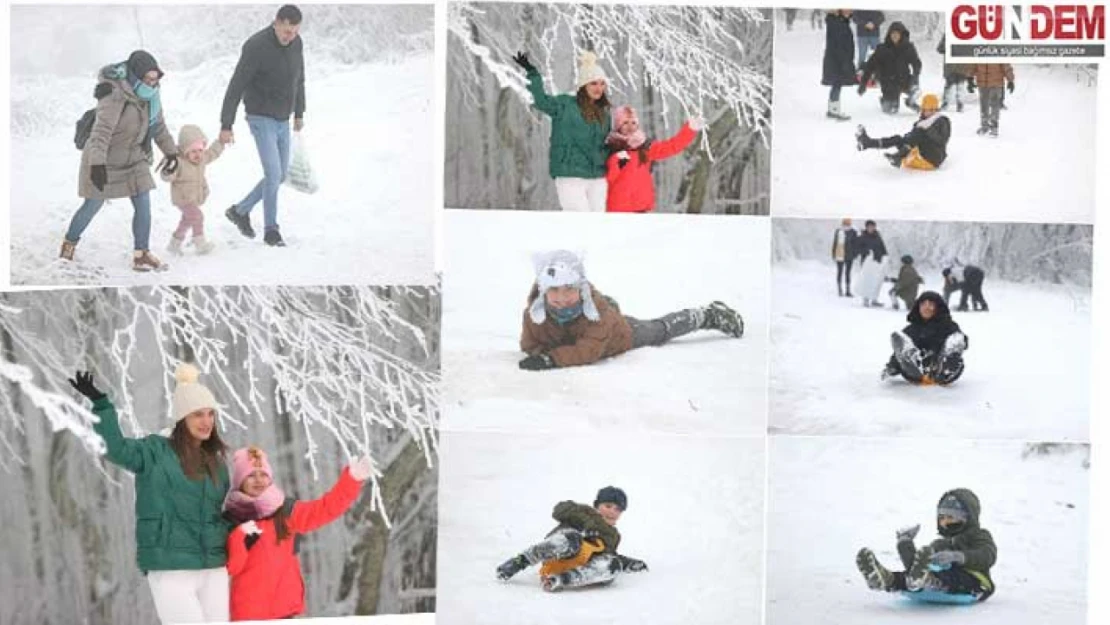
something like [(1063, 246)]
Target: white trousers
[(191, 596), (582, 195)]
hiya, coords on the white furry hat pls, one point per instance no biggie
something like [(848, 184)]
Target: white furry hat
[(190, 395), (561, 268), (589, 70)]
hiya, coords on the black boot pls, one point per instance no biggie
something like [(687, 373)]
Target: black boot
[(242, 222), (863, 141), (511, 567), (273, 238), (718, 316)]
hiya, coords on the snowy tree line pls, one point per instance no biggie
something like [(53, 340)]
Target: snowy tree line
[(316, 376), (1055, 253), (669, 62)]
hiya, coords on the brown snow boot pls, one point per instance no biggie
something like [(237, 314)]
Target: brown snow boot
[(68, 249), (143, 260)]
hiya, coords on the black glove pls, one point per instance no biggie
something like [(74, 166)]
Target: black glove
[(84, 385), (521, 59), (971, 84), (99, 176), (538, 362), (250, 540), (1010, 86), (168, 164), (632, 565)]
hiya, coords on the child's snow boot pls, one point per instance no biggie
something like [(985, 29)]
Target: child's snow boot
[(834, 112), (512, 566), (891, 370), (203, 245), (910, 359), (553, 583), (68, 249), (863, 141), (718, 316), (175, 246), (875, 574), (918, 576)]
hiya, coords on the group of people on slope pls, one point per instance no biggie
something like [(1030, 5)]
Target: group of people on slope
[(600, 157), (117, 157), (215, 542)]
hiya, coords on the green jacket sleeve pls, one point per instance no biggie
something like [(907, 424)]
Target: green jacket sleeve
[(544, 102), (135, 455), (977, 546)]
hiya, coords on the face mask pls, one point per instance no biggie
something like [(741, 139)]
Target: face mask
[(145, 91), (566, 315)]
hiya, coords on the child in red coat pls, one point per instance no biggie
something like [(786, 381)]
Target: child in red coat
[(628, 170), (266, 580)]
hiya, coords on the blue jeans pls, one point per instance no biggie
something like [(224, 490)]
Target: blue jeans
[(864, 44), (834, 93), (271, 137), (140, 222)]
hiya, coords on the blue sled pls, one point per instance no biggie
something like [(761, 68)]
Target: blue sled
[(934, 596)]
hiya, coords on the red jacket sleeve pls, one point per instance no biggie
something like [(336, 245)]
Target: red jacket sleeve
[(613, 168), (309, 516), (667, 148), (236, 552)]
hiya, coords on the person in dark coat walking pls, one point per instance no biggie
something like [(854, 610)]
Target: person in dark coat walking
[(930, 349), (924, 147), (897, 67), (269, 80), (969, 281), (867, 33), (838, 69), (843, 253)]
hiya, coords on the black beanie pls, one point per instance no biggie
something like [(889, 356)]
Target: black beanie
[(612, 494), (140, 62), (907, 260)]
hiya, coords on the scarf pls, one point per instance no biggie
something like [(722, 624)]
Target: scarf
[(617, 142), (151, 96), (241, 507), (564, 316)]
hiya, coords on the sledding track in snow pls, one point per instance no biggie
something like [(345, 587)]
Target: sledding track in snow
[(1043, 160), (1026, 377)]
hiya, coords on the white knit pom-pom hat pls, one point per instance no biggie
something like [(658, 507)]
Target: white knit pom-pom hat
[(589, 70), (190, 395)]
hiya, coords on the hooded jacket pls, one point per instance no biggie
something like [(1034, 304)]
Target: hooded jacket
[(930, 136), (189, 184), (577, 145), (973, 541), (582, 517), (930, 335), (896, 65), (581, 341), (908, 282)]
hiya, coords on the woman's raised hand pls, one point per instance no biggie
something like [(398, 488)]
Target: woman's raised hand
[(521, 59), (83, 383), (361, 468)]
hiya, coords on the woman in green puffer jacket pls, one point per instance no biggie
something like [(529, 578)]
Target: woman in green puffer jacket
[(579, 125), (181, 481)]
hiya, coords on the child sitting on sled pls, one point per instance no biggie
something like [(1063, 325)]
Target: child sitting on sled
[(930, 349), (633, 154), (568, 322), (582, 549), (952, 569), (924, 147)]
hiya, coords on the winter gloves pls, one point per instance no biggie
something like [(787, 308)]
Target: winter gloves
[(252, 532), (361, 469), (538, 362), (168, 166), (697, 124), (907, 533), (98, 174), (947, 558), (1010, 86), (84, 385), (521, 59)]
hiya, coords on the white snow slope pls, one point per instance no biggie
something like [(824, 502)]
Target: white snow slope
[(1026, 375), (831, 496), (695, 515), (371, 220), (704, 382), (817, 170)]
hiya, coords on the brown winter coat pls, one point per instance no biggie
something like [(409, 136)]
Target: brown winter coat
[(581, 341), (189, 185), (993, 74), (117, 140)]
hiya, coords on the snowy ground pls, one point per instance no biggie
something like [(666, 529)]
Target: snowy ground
[(818, 172), (1026, 377), (829, 497), (695, 515), (704, 382), (371, 220)]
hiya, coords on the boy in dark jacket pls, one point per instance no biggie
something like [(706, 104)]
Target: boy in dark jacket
[(924, 147), (905, 285), (582, 549), (969, 281), (897, 67), (952, 569), (930, 349)]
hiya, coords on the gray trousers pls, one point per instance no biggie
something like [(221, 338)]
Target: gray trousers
[(656, 332), (990, 105)]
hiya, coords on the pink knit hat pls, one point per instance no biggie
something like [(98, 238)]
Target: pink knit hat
[(622, 114), (246, 461)]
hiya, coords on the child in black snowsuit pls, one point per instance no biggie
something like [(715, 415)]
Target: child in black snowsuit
[(897, 67), (582, 549), (924, 147), (969, 282), (930, 349), (952, 569)]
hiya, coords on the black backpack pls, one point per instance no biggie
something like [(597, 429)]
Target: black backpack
[(84, 128)]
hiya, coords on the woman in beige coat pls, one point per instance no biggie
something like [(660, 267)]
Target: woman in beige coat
[(116, 160)]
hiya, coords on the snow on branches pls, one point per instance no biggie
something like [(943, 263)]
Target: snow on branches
[(700, 57), (346, 361)]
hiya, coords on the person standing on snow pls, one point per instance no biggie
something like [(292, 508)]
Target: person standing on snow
[(843, 254), (582, 550), (897, 67), (991, 78), (924, 147), (954, 568), (628, 170), (181, 481), (269, 80), (189, 187), (580, 124), (867, 33), (969, 281), (871, 250), (956, 75), (116, 159), (569, 323), (838, 68), (930, 349), (906, 284)]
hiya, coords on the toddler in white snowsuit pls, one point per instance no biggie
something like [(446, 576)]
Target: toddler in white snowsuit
[(189, 187), (582, 549)]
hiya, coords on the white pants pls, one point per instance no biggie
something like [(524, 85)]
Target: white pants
[(191, 596), (871, 280), (582, 195)]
